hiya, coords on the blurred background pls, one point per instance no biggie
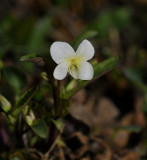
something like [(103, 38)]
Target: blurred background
[(116, 107)]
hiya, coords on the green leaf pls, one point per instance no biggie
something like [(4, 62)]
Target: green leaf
[(24, 99), (5, 104), (12, 119), (105, 66), (86, 35), (133, 75), (131, 128), (58, 123), (136, 76), (15, 78), (99, 70), (43, 62), (40, 128), (39, 33), (40, 61), (28, 57)]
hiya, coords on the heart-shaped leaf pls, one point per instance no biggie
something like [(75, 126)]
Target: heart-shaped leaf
[(40, 128)]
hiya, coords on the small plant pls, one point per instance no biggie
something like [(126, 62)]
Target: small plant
[(32, 118)]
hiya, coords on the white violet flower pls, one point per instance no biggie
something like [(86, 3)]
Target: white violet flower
[(74, 63)]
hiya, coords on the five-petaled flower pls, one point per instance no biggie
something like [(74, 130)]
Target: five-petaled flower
[(74, 63)]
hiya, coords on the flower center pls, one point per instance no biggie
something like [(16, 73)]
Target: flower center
[(73, 65)]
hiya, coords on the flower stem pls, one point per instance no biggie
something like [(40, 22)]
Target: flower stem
[(57, 99), (53, 131)]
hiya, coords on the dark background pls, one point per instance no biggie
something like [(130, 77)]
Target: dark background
[(115, 28)]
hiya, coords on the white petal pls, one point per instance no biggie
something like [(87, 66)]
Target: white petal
[(60, 71), (86, 71), (73, 73), (86, 50), (60, 51)]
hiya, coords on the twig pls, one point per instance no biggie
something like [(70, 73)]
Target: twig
[(52, 147), (53, 144)]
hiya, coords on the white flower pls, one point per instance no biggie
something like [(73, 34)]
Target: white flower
[(74, 63)]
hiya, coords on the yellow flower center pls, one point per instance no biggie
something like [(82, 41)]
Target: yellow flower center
[(74, 64)]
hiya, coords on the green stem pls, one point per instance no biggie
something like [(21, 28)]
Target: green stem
[(57, 99), (53, 131), (18, 130)]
